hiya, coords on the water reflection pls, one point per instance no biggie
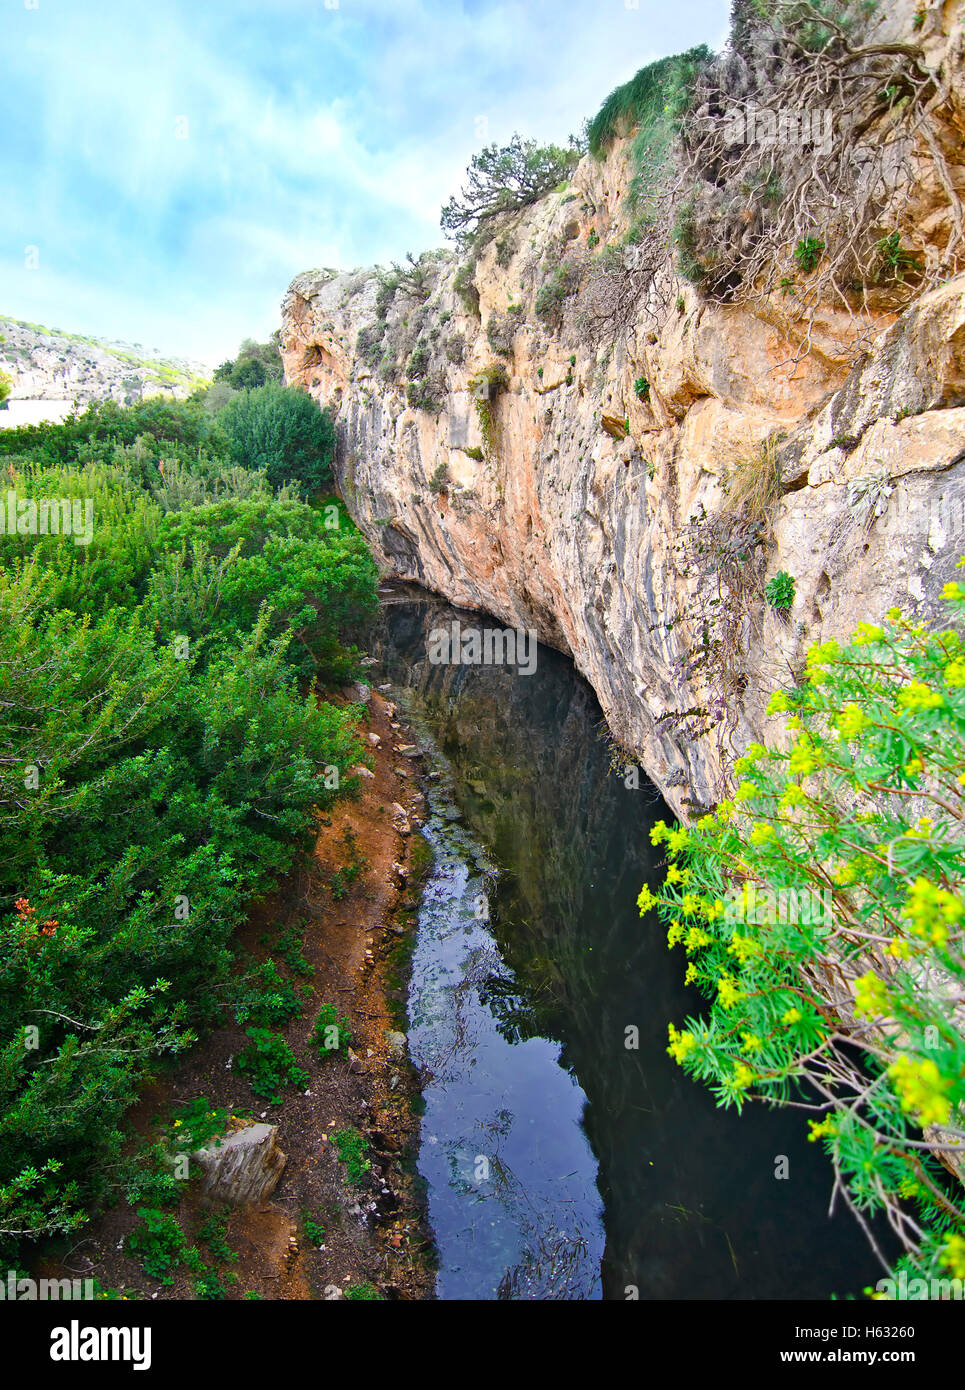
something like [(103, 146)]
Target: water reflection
[(608, 1173)]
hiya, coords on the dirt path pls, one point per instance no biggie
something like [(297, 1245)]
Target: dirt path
[(356, 903)]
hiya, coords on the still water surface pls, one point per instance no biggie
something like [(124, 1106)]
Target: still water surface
[(561, 1164)]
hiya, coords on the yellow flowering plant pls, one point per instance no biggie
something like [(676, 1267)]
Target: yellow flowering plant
[(856, 1011)]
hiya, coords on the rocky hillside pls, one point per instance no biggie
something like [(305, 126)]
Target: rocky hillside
[(577, 430), (51, 365)]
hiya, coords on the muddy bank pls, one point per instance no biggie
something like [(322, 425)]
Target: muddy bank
[(341, 929)]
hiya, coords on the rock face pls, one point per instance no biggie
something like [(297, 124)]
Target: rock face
[(587, 497), (51, 365), (243, 1170)]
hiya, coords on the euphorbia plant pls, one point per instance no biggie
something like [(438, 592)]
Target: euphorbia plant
[(822, 909)]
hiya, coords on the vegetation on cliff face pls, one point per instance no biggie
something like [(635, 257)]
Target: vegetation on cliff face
[(823, 911), (165, 753), (502, 180)]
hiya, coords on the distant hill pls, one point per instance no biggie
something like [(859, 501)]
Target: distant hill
[(49, 365)]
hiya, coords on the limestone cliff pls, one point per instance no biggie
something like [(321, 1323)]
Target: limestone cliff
[(585, 494)]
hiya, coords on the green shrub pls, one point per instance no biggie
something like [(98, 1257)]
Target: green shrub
[(281, 429), (314, 1230), (351, 1147), (465, 287), (808, 253), (364, 1292), (894, 260), (440, 478), (505, 249), (160, 1244), (266, 997), (195, 1124), (641, 388), (423, 395), (690, 263), (837, 872), (331, 1034), (270, 1065), (163, 769), (554, 291), (779, 591)]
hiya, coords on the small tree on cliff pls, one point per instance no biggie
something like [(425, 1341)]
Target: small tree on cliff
[(504, 180), (282, 430)]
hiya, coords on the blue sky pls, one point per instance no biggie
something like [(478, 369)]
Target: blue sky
[(175, 163)]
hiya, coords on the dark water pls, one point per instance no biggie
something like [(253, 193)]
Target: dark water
[(559, 1162)]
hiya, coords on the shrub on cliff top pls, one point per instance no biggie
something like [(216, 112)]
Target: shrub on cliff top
[(657, 92), (505, 179), (837, 872)]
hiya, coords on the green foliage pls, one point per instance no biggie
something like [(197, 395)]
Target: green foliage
[(93, 435), (196, 1124), (440, 478), (6, 386), (365, 1292), (314, 1230), (808, 253), (351, 1147), (223, 559), (641, 388), (485, 387), (255, 365), (505, 250), (331, 1034), (280, 429), (658, 93), (464, 285), (290, 949), (502, 328), (836, 871), (423, 395), (504, 179), (895, 261), (779, 591), (213, 1233), (270, 1065), (162, 769), (160, 1244), (554, 291), (690, 263), (266, 997)]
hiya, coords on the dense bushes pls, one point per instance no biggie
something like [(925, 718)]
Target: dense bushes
[(160, 768), (281, 430), (823, 910), (275, 431), (255, 365)]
